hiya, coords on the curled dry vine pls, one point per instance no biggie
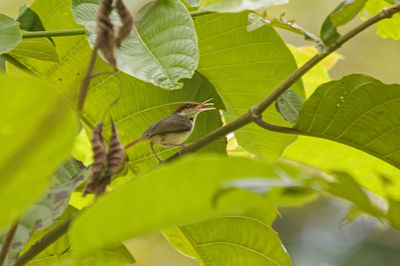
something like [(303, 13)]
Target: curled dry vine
[(254, 114)]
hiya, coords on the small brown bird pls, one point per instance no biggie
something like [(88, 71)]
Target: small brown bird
[(174, 129)]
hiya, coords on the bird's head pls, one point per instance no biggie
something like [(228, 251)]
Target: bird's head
[(191, 109)]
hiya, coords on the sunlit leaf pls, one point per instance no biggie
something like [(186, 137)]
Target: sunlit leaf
[(387, 28), (36, 135), (354, 111), (166, 196), (319, 73), (229, 240), (10, 34), (162, 48), (223, 6), (245, 67)]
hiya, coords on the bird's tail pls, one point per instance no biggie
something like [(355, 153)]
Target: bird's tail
[(134, 142)]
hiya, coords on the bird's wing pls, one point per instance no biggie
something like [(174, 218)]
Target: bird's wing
[(171, 124)]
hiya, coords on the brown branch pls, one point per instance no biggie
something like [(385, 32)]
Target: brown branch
[(7, 242), (86, 80), (257, 110)]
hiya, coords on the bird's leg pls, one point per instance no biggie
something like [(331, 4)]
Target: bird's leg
[(152, 148), (177, 145)]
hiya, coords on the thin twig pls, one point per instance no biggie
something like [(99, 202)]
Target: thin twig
[(7, 242), (86, 80), (248, 117)]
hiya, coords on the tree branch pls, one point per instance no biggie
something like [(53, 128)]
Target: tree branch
[(7, 242), (257, 110), (52, 33)]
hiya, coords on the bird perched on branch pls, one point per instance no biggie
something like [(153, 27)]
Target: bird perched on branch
[(174, 129)]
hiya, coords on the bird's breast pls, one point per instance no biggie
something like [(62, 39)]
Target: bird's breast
[(170, 138)]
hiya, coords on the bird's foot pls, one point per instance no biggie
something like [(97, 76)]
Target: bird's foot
[(183, 147)]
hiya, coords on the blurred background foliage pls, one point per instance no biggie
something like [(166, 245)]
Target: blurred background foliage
[(314, 234)]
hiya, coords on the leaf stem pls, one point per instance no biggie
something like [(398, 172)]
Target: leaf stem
[(7, 242), (52, 33), (256, 111)]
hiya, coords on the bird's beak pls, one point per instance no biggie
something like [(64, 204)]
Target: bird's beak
[(200, 106)]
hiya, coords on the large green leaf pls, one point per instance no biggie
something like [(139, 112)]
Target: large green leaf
[(230, 240), (141, 103), (162, 49), (51, 205), (387, 28), (36, 133), (10, 34), (237, 5), (245, 67), (170, 194), (354, 111)]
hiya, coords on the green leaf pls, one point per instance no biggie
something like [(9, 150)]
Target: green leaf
[(10, 34), (29, 20), (342, 14), (224, 6), (346, 188), (393, 214), (162, 49), (36, 135), (245, 67), (50, 206), (230, 240), (288, 106), (170, 194), (37, 48), (347, 11), (354, 111), (387, 28)]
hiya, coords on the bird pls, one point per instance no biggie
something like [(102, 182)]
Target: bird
[(174, 129)]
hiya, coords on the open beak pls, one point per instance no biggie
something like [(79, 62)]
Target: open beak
[(206, 104)]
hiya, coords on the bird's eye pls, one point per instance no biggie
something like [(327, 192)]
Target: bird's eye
[(189, 106)]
